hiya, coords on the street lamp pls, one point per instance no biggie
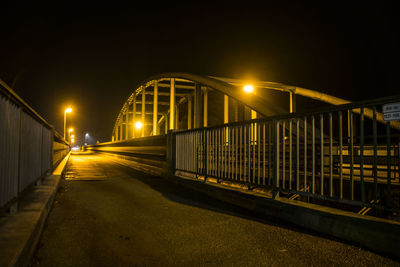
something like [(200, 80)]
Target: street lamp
[(86, 137), (68, 110), (138, 125), (248, 88), (70, 130)]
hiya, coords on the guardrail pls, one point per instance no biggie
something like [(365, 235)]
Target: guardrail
[(149, 150), (26, 147), (344, 154)]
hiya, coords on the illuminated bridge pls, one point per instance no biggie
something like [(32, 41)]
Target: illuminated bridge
[(195, 162)]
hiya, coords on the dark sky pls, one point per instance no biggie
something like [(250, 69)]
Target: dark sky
[(92, 56)]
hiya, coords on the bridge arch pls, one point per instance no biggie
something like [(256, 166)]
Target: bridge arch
[(157, 101)]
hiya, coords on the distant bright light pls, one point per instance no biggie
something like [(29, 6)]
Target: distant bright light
[(72, 135), (70, 129), (75, 148), (87, 134), (68, 110), (138, 125), (248, 88)]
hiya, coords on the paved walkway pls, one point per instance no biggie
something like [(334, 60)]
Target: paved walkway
[(107, 214)]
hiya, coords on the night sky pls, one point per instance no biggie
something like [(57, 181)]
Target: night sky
[(92, 56)]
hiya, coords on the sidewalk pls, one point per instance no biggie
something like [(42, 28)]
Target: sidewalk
[(20, 232)]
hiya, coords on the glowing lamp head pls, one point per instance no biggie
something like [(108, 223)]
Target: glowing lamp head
[(138, 125), (72, 135), (70, 130), (87, 134), (68, 110), (248, 88)]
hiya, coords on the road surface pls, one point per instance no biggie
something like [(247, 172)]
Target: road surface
[(107, 214)]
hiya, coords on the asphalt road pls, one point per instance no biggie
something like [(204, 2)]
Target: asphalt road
[(107, 214)]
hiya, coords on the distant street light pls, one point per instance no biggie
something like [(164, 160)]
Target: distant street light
[(68, 110), (248, 88), (138, 125), (70, 130), (86, 137)]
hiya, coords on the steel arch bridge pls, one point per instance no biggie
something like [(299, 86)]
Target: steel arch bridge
[(172, 101)]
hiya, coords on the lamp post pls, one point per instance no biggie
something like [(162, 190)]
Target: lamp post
[(86, 136), (68, 110)]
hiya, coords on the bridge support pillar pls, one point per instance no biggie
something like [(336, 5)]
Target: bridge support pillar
[(226, 109), (155, 109), (189, 115), (172, 105), (197, 106), (134, 117), (143, 111), (292, 107)]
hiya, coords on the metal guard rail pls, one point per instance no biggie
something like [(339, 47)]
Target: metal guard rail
[(338, 154), (26, 147)]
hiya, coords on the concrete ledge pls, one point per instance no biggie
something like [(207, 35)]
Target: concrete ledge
[(20, 232), (376, 234)]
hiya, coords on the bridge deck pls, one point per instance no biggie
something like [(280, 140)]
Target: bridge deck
[(109, 214)]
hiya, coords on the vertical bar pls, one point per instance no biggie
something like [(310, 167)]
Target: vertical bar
[(254, 134), (258, 151), (305, 153), (290, 153), (351, 151), (275, 182), (297, 154), (375, 167), (172, 105), (189, 122), (226, 109), (341, 154), (263, 151), (313, 154), (362, 155), (330, 155), (389, 164), (322, 152), (292, 102), (197, 106), (155, 109), (249, 156), (241, 152), (269, 152), (283, 154), (205, 108), (143, 111)]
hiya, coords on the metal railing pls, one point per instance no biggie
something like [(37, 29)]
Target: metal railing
[(26, 146), (345, 154)]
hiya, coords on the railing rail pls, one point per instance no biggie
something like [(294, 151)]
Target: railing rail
[(345, 154)]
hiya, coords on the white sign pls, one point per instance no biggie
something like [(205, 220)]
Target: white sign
[(391, 112)]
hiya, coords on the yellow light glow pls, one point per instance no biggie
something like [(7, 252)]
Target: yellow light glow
[(248, 88), (138, 125), (72, 135), (70, 130), (68, 110)]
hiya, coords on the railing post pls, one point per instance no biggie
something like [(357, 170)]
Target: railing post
[(205, 155), (275, 180)]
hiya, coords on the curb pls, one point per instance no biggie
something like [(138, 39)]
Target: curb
[(20, 232), (376, 234)]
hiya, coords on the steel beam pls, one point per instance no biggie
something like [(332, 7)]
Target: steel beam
[(155, 109), (172, 105), (143, 111)]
